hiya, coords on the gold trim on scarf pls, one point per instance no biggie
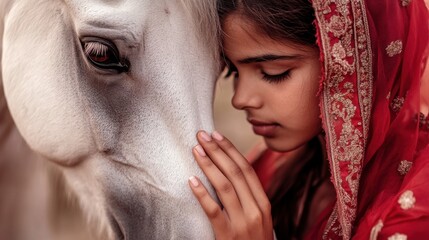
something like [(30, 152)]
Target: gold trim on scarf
[(346, 98)]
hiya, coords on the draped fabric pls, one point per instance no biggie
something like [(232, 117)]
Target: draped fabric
[(373, 55), (297, 184)]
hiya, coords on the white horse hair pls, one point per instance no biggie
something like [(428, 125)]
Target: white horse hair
[(108, 95)]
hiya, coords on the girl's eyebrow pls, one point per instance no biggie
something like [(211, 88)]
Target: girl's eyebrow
[(269, 57)]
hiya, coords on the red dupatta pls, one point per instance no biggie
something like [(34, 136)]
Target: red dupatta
[(373, 53)]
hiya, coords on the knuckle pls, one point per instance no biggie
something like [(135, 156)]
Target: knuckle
[(201, 194), (255, 219), (248, 169), (206, 163), (266, 206), (226, 188), (213, 147), (213, 212), (228, 145), (237, 172)]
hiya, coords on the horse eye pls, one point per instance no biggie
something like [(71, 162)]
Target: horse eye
[(103, 54)]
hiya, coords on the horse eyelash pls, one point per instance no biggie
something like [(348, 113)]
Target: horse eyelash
[(96, 48)]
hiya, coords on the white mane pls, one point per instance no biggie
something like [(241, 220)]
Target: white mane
[(205, 16)]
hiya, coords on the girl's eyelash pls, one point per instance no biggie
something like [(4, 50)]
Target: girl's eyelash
[(233, 71), (276, 78)]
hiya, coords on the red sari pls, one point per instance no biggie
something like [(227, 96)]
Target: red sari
[(373, 55)]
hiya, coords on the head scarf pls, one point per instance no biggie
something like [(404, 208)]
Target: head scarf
[(373, 54)]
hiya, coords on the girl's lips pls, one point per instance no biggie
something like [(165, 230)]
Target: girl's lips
[(263, 128)]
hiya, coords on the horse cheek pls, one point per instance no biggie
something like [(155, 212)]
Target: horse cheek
[(41, 90)]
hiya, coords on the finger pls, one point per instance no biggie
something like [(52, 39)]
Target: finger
[(230, 169), (225, 190), (248, 172), (209, 205)]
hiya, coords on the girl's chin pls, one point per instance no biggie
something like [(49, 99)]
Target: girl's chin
[(278, 146), (282, 145)]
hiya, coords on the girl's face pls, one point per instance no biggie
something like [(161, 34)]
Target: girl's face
[(276, 84)]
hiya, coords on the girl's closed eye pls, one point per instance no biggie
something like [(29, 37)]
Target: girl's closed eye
[(276, 78)]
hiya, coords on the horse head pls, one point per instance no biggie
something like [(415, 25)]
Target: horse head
[(112, 93)]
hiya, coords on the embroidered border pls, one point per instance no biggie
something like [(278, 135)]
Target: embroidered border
[(346, 99), (333, 225)]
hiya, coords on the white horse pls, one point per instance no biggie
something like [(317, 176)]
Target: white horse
[(110, 93)]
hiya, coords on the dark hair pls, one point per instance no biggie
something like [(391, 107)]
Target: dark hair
[(288, 21), (282, 20)]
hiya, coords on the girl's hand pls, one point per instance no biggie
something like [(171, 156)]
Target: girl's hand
[(246, 212)]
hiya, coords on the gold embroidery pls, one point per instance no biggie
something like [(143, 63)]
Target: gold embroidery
[(394, 48), (346, 98), (397, 104), (407, 200), (376, 230), (340, 53), (388, 96), (404, 167), (405, 2), (332, 225), (337, 25), (397, 236)]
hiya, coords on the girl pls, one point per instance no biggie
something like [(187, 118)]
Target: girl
[(336, 90)]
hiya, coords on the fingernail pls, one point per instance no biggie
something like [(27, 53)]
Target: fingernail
[(205, 136), (200, 150), (216, 135), (193, 180)]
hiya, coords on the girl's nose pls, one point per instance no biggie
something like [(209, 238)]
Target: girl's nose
[(246, 95)]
